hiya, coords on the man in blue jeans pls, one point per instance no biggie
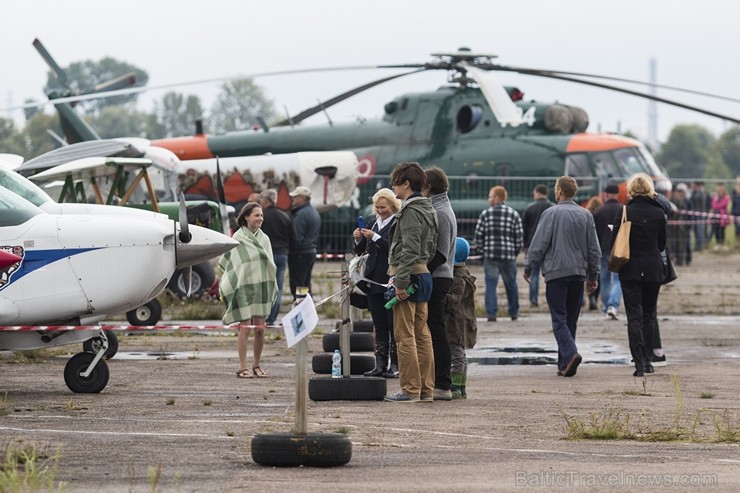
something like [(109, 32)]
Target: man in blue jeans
[(567, 249), (604, 217), (499, 237)]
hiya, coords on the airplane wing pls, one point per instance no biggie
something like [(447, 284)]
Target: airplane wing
[(91, 167)]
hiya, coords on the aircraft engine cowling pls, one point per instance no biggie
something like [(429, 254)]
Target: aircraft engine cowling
[(558, 118)]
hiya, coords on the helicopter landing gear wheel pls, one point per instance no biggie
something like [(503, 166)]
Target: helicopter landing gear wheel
[(93, 383), (147, 314), (93, 345), (293, 449)]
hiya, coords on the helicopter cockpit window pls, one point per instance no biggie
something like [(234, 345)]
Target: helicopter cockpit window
[(576, 165), (14, 210), (469, 117), (605, 165), (630, 161)]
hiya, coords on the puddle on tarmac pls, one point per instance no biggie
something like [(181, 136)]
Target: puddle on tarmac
[(536, 354)]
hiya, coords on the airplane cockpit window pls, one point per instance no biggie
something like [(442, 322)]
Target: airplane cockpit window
[(469, 117), (605, 166), (15, 210), (630, 161), (576, 165), (22, 186)]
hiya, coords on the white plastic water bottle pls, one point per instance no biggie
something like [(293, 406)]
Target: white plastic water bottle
[(336, 364)]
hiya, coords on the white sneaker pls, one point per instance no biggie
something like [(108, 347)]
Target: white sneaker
[(612, 313)]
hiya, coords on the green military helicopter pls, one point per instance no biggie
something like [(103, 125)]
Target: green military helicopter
[(479, 131)]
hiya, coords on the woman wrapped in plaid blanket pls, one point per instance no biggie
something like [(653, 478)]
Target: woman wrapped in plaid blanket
[(248, 285)]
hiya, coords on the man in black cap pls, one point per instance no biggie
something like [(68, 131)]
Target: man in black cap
[(604, 218)]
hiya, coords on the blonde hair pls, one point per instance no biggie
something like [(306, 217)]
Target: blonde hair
[(387, 194), (639, 185)]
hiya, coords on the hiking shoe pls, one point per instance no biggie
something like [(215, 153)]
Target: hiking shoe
[(612, 313), (491, 319), (426, 398), (442, 395), (401, 397), (658, 360)]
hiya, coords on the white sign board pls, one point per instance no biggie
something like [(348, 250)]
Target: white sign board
[(300, 321)]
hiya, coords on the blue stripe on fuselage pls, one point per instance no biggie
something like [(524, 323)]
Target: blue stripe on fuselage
[(37, 259)]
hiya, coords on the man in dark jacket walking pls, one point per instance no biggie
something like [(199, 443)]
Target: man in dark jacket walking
[(566, 246)]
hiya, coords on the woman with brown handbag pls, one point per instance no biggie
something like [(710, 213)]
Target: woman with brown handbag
[(643, 274)]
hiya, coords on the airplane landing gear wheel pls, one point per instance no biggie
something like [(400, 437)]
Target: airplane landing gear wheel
[(293, 450), (93, 345), (93, 383), (147, 314)]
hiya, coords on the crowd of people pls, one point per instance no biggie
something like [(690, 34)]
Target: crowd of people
[(413, 253)]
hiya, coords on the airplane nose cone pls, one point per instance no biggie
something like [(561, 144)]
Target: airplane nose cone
[(204, 245)]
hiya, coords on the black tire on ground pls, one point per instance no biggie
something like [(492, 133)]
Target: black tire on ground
[(94, 383), (358, 342), (362, 326), (293, 450), (94, 344), (359, 363), (147, 314), (203, 276), (347, 389)]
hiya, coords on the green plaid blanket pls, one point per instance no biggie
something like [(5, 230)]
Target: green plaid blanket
[(247, 273)]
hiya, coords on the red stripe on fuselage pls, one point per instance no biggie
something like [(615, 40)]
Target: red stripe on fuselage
[(193, 147), (599, 142)]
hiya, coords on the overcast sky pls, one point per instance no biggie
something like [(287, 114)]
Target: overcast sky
[(694, 44)]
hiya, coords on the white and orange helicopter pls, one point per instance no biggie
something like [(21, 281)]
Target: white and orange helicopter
[(66, 266)]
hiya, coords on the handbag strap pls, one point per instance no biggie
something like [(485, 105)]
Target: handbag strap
[(624, 214)]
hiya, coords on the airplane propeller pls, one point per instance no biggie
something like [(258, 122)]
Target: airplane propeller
[(185, 237)]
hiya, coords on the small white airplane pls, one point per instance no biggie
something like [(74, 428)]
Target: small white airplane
[(77, 269)]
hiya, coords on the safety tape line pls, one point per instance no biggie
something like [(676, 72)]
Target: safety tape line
[(46, 328)]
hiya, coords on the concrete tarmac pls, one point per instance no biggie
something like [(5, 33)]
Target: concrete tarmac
[(188, 417)]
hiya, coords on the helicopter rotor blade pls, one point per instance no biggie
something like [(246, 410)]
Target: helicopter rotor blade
[(338, 99), (504, 109), (138, 89), (530, 71), (553, 75), (53, 65), (121, 82)]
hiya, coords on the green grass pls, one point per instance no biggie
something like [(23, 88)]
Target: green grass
[(29, 468)]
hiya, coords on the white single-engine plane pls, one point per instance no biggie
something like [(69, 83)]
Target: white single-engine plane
[(77, 269)]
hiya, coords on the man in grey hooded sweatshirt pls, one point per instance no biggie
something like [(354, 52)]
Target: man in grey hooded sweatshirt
[(441, 268)]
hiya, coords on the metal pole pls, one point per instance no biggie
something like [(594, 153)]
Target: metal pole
[(301, 387), (345, 329)]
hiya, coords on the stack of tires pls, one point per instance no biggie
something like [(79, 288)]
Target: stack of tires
[(361, 340)]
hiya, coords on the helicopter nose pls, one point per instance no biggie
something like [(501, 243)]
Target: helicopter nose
[(203, 245)]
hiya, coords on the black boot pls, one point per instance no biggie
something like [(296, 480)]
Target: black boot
[(393, 370), (381, 360)]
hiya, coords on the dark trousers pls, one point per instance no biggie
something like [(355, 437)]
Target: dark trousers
[(382, 318), (640, 306), (436, 323), (564, 298), (300, 266)]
